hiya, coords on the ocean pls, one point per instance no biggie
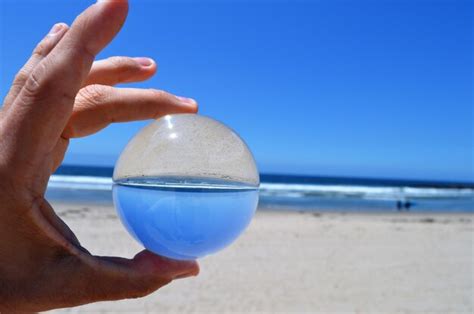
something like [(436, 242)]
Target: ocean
[(86, 184)]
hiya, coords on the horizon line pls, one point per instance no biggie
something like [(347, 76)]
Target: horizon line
[(107, 171)]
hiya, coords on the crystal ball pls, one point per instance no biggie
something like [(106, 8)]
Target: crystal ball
[(186, 186)]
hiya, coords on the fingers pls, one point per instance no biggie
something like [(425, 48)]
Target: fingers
[(42, 109), (97, 106), (116, 70), (39, 53)]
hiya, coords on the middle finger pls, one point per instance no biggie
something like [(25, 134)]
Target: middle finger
[(117, 70)]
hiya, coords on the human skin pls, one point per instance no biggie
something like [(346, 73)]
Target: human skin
[(61, 93)]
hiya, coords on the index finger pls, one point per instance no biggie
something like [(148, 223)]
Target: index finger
[(42, 109)]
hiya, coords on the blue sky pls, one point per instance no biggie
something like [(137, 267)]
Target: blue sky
[(345, 88)]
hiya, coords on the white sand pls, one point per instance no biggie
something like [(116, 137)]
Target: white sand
[(294, 262)]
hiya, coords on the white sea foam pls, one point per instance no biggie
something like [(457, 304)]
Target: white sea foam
[(80, 182), (290, 190)]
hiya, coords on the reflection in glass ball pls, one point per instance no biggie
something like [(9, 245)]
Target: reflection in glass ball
[(186, 186)]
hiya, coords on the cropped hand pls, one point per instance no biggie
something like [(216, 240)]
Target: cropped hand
[(61, 93)]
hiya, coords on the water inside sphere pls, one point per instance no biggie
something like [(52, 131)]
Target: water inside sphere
[(186, 186)]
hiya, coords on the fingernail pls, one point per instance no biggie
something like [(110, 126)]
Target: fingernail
[(188, 101), (187, 275), (56, 29), (144, 62)]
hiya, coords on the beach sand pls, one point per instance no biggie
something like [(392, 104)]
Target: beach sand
[(308, 262)]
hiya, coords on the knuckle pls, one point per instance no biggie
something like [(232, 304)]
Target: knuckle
[(40, 49), (21, 77), (124, 67), (121, 62), (35, 85), (159, 93), (41, 84), (94, 94)]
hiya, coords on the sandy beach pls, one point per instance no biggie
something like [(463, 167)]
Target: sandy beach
[(308, 262)]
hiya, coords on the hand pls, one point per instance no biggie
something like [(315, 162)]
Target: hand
[(61, 94)]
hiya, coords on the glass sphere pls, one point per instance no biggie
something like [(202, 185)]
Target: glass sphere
[(186, 186)]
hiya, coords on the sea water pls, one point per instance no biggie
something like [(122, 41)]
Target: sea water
[(184, 220)]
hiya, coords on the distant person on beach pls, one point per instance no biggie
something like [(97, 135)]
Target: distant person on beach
[(58, 95), (403, 204)]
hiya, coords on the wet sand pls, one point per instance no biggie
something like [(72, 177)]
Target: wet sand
[(307, 262)]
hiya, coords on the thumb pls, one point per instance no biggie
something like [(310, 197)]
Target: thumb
[(115, 278)]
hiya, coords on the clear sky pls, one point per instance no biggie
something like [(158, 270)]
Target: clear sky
[(346, 88)]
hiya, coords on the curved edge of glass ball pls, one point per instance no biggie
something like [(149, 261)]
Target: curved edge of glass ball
[(189, 146)]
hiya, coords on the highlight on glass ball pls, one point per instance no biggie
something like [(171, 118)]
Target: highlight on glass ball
[(186, 186)]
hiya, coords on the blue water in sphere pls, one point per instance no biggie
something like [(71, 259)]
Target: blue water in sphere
[(183, 221)]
